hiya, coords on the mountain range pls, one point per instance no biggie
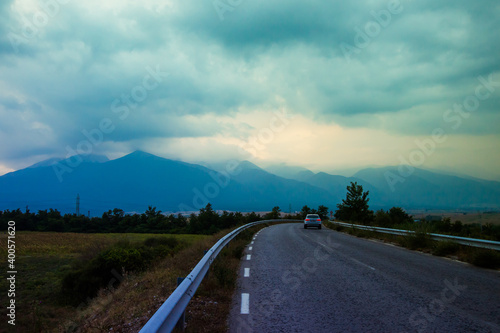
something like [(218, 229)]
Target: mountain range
[(138, 180)]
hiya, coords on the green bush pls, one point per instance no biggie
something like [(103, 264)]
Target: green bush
[(237, 251), (417, 241), (106, 268), (226, 277), (445, 248), (485, 258)]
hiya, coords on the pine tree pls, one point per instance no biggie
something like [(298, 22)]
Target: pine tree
[(354, 208)]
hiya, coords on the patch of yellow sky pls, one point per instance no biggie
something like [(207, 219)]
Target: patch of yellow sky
[(270, 137), (298, 140)]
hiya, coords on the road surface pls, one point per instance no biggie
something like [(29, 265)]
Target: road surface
[(296, 280)]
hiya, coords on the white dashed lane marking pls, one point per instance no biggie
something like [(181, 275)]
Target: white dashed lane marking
[(247, 272), (249, 256), (245, 303)]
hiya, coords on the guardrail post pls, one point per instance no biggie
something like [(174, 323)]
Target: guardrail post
[(182, 320)]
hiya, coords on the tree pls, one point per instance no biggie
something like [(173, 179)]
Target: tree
[(354, 208), (305, 210), (399, 216), (323, 211), (382, 219), (274, 214), (206, 222)]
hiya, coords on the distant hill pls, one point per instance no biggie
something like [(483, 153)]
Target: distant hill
[(135, 181), (140, 179), (426, 189), (287, 171)]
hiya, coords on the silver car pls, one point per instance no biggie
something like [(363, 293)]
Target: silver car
[(312, 220)]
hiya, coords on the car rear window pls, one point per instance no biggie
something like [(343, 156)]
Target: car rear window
[(313, 216)]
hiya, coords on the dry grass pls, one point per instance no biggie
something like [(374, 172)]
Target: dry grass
[(37, 243), (42, 259), (138, 297), (130, 306)]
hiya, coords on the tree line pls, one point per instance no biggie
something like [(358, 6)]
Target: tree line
[(152, 220), (207, 221)]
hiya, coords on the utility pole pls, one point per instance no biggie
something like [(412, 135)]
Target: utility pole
[(78, 205)]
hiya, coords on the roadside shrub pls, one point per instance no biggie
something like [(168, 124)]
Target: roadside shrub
[(225, 275), (485, 258), (445, 248), (417, 241), (106, 268), (237, 250)]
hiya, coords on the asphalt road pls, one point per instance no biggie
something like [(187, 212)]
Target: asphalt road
[(296, 280)]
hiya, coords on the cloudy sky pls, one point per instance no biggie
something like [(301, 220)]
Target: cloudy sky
[(328, 85)]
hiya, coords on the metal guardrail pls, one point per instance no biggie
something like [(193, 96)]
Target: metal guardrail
[(167, 316), (482, 243)]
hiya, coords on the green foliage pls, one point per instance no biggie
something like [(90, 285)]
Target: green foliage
[(457, 227), (395, 216), (420, 240), (116, 221), (382, 219), (485, 258), (323, 212), (225, 276), (105, 269), (445, 248), (354, 208), (305, 210), (274, 214)]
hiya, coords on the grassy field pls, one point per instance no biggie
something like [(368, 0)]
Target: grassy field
[(42, 259)]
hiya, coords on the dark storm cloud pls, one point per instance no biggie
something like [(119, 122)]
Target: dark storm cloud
[(261, 55)]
